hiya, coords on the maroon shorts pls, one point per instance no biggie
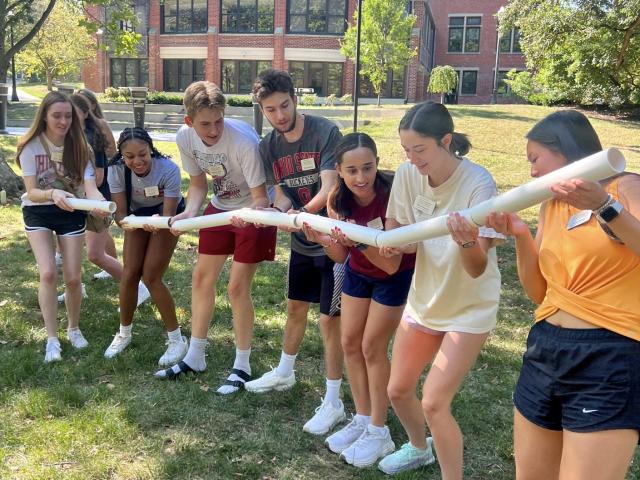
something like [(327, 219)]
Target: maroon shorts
[(247, 245)]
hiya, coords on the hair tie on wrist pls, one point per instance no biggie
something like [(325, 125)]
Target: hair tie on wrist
[(470, 244)]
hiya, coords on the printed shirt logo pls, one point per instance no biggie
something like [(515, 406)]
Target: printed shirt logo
[(215, 165), (48, 172)]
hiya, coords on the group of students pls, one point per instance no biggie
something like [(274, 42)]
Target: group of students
[(577, 401)]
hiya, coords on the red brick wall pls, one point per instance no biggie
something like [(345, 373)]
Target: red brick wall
[(485, 60)]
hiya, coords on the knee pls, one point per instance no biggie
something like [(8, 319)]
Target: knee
[(48, 277), (73, 281), (432, 406), (151, 279), (351, 345), (95, 255), (398, 392), (373, 352), (130, 276), (237, 291), (297, 311), (200, 279)]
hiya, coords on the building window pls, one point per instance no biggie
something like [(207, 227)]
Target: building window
[(178, 74), (184, 16), (503, 87), (129, 72), (510, 42), (317, 16), (464, 34), (238, 75), (247, 16), (325, 78), (467, 82), (392, 87)]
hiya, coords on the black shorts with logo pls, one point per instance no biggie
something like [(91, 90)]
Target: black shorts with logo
[(316, 280), (52, 218), (581, 380)]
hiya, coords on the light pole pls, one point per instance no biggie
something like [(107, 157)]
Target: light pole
[(494, 92), (14, 91), (356, 82)]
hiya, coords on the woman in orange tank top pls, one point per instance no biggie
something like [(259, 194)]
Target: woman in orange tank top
[(577, 401)]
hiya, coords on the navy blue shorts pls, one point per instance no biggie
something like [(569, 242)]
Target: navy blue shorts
[(581, 380), (316, 280), (391, 291), (52, 218)]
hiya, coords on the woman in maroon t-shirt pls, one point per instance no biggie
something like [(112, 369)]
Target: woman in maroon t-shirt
[(374, 292)]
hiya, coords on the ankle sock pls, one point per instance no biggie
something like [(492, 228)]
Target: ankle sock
[(195, 355), (125, 330), (242, 360), (333, 392), (375, 429), (175, 335), (363, 419), (53, 340), (285, 367)]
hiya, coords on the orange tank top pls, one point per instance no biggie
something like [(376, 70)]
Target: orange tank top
[(589, 275)]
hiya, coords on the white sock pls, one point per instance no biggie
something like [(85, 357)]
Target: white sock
[(53, 340), (363, 419), (242, 360), (333, 392), (125, 330), (176, 335), (285, 367), (376, 429), (195, 355)]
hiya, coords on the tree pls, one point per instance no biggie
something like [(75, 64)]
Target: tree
[(385, 36), (58, 47), (582, 51), (443, 79)]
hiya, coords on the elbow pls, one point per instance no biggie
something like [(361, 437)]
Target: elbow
[(536, 297)]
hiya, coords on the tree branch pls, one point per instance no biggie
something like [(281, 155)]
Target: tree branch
[(626, 40), (20, 44)]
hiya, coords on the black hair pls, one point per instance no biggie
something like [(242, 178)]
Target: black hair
[(136, 133), (341, 198), (92, 129), (272, 81), (567, 132), (433, 120)]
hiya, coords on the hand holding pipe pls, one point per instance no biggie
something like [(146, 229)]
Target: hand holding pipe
[(86, 204)]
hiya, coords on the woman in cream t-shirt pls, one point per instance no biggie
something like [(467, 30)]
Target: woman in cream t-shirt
[(453, 301)]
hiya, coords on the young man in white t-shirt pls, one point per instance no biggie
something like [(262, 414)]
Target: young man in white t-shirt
[(227, 150)]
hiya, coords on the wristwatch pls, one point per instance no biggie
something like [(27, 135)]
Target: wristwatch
[(610, 212)]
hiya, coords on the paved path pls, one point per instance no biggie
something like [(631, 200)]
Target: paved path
[(23, 96), (160, 136)]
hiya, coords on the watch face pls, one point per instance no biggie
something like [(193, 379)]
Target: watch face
[(611, 212)]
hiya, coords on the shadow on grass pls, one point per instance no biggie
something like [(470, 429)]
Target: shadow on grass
[(490, 114)]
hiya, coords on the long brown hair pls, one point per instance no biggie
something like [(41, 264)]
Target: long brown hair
[(76, 150), (95, 105), (90, 123)]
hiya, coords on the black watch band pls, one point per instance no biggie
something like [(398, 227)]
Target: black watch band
[(610, 212)]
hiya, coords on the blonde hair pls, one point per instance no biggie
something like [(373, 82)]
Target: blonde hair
[(76, 151), (201, 95)]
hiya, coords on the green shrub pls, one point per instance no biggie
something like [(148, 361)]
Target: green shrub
[(347, 99), (239, 101), (330, 100), (114, 94), (163, 98), (309, 99)]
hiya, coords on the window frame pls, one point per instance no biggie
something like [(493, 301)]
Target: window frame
[(191, 31), (255, 69), (256, 17), (465, 26), (512, 42), (461, 72), (165, 72), (138, 71), (325, 77), (307, 14)]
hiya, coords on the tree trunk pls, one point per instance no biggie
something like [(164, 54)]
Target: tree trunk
[(49, 80), (9, 181), (378, 104)]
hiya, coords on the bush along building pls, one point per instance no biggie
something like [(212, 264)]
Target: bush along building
[(230, 41)]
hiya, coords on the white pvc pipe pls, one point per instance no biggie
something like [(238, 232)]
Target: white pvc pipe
[(595, 167), (204, 221), (86, 204), (139, 222), (354, 232), (267, 217)]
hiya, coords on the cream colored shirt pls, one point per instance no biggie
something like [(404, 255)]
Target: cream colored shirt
[(443, 295)]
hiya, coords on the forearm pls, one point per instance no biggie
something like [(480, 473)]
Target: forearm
[(196, 195), (474, 259), (40, 195), (389, 265), (627, 228), (534, 284)]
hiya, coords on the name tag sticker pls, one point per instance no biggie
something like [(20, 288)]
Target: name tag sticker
[(376, 223), (307, 164), (151, 191), (217, 170), (424, 205), (579, 218), (56, 157)]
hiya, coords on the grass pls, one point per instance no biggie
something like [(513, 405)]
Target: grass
[(87, 417), (40, 90)]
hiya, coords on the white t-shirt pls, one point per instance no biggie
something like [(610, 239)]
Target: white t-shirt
[(234, 162), (34, 161), (162, 181), (443, 295)]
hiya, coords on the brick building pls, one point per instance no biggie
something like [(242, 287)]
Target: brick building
[(229, 41)]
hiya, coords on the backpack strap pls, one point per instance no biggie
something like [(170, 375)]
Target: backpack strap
[(127, 187)]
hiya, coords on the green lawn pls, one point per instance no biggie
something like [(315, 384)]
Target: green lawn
[(40, 90), (87, 417)]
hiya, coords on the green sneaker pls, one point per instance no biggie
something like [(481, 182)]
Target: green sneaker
[(407, 458)]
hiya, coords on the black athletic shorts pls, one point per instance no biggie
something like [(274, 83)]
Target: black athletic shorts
[(581, 380), (52, 218), (316, 280)]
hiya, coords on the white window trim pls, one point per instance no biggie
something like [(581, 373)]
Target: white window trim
[(197, 53), (243, 53), (314, 55)]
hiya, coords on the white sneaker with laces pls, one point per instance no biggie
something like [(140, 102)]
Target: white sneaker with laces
[(143, 294), (326, 417), (118, 344), (77, 339), (271, 381), (371, 446), (338, 441), (175, 352), (102, 275), (53, 352), (84, 294)]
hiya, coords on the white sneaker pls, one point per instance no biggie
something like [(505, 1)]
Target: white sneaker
[(143, 294), (371, 446), (118, 344), (326, 417), (338, 441), (271, 381), (58, 259), (53, 352), (77, 339), (84, 294), (102, 275), (175, 352)]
